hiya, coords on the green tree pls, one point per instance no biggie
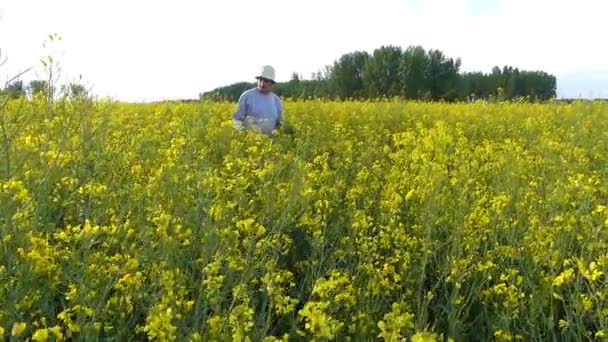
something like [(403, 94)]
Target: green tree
[(227, 93), (442, 75), (381, 76), (537, 84), (74, 90), (347, 74), (412, 70), (38, 87), (15, 90)]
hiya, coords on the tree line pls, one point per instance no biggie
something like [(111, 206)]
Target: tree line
[(18, 89), (413, 73)]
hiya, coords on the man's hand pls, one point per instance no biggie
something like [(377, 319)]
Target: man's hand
[(238, 125)]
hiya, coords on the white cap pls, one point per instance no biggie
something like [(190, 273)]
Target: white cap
[(266, 72)]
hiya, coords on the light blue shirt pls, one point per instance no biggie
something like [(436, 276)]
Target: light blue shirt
[(263, 110)]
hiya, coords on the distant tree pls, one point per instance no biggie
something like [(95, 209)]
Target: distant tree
[(381, 76), (303, 89), (15, 90), (327, 71), (537, 84), (347, 74), (227, 93), (442, 75), (74, 90), (319, 75), (38, 87), (496, 71), (507, 81), (514, 88), (412, 71)]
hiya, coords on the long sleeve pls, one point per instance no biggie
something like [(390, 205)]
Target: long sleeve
[(241, 111)]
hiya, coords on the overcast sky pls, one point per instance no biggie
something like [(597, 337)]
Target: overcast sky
[(150, 50)]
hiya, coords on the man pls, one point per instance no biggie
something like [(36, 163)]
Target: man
[(259, 107)]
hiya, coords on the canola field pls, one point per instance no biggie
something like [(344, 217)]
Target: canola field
[(381, 220)]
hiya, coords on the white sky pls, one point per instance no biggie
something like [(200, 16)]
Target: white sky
[(150, 50)]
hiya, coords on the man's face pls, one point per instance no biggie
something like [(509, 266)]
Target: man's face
[(264, 85)]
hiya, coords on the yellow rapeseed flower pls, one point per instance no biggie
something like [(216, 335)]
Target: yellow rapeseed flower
[(41, 335), (18, 328)]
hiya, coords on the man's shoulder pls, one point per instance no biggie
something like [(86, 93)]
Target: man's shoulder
[(249, 92)]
